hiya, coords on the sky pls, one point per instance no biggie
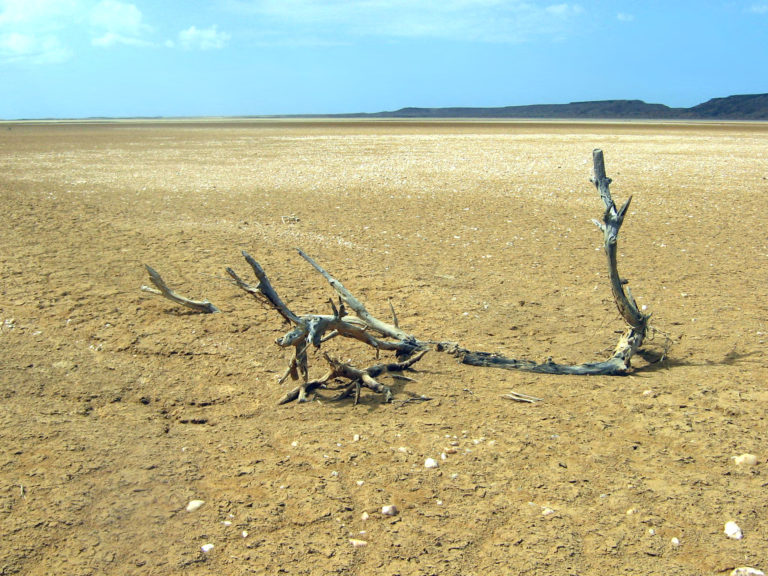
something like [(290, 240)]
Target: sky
[(177, 58)]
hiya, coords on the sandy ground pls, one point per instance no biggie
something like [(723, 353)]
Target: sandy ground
[(117, 407)]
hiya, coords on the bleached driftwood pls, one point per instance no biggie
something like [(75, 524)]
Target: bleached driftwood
[(315, 329), (358, 379), (629, 342), (163, 290)]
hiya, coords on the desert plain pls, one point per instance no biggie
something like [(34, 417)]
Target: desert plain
[(118, 408)]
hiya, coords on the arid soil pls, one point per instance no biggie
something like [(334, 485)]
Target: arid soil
[(117, 407)]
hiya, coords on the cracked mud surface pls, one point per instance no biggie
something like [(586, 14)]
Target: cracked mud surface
[(117, 407)]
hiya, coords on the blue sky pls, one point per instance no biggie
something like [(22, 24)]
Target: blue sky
[(81, 58)]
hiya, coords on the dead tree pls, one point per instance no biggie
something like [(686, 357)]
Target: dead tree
[(315, 329), (633, 337)]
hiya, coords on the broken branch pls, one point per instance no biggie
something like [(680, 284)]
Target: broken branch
[(163, 290)]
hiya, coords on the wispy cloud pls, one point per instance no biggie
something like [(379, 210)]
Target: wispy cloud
[(462, 20), (29, 30), (759, 8), (624, 17), (206, 39), (36, 49), (118, 23)]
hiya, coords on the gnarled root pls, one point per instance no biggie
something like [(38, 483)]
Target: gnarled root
[(358, 379)]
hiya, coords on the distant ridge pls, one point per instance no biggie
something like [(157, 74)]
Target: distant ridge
[(741, 107)]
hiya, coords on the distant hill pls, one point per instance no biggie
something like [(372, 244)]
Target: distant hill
[(744, 107)]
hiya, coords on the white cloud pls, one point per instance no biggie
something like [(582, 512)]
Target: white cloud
[(118, 23), (624, 17), (117, 17), (30, 30), (40, 13), (468, 20), (759, 8), (17, 47), (205, 39), (113, 39)]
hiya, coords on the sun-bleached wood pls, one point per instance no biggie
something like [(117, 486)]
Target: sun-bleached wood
[(163, 290)]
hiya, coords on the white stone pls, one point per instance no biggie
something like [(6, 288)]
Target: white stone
[(733, 531), (675, 542), (206, 548), (745, 460), (389, 510), (357, 543), (431, 463), (747, 571), (194, 505)]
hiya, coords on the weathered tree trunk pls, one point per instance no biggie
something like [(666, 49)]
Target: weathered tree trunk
[(629, 342)]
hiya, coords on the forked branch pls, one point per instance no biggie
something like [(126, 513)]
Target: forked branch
[(315, 329)]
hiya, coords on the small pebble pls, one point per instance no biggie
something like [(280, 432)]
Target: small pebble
[(360, 482), (356, 438), (357, 543), (651, 532), (747, 571), (745, 460), (431, 463), (194, 505), (389, 510), (675, 542), (733, 531), (364, 516), (206, 548)]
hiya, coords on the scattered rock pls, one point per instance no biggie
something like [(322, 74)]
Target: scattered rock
[(390, 510), (733, 531), (358, 543), (206, 548), (745, 460), (194, 505), (747, 571), (431, 463)]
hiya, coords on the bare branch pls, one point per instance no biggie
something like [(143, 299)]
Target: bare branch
[(263, 288), (629, 342), (203, 306), (357, 378), (349, 299)]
